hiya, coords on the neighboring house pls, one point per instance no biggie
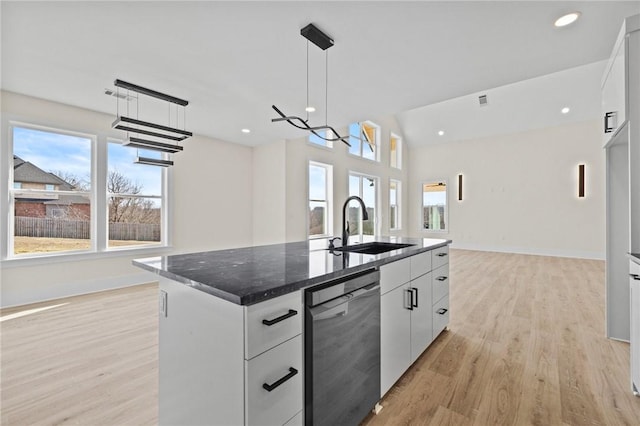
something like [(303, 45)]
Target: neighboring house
[(51, 205)]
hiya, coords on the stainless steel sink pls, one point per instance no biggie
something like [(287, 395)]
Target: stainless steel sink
[(375, 247)]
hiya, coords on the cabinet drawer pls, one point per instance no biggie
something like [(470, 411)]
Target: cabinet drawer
[(439, 256), (280, 367), (420, 264), (270, 323), (440, 315), (440, 283), (394, 274)]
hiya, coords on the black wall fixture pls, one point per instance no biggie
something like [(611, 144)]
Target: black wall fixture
[(460, 187), (581, 180), (314, 35), (156, 135)]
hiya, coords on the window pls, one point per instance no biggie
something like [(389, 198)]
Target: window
[(134, 198), (364, 187), (395, 150), (394, 204), (364, 139), (51, 211), (320, 195), (318, 140), (56, 207), (434, 206)]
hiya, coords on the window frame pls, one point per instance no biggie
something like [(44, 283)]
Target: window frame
[(360, 138), (398, 204), (97, 198), (329, 199), (398, 151), (164, 211), (377, 216)]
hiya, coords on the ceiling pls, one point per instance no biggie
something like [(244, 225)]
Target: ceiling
[(233, 60)]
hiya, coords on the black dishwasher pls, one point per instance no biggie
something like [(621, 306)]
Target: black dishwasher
[(342, 349)]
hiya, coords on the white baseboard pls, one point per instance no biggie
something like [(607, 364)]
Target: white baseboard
[(19, 295), (578, 254)]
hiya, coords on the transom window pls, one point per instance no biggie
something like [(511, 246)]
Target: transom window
[(364, 139), (316, 140), (395, 151)]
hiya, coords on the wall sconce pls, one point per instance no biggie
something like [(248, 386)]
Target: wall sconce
[(460, 187), (581, 180)]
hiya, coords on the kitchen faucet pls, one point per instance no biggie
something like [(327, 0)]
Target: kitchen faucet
[(345, 228)]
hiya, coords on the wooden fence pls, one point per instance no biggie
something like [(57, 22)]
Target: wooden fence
[(81, 229)]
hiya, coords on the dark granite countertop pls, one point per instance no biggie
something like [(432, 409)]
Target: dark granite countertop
[(253, 274)]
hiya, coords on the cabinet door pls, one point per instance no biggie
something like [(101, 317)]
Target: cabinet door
[(421, 318), (395, 336), (613, 91)]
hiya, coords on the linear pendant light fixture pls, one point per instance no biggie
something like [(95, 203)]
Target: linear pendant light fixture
[(314, 35), (159, 133)]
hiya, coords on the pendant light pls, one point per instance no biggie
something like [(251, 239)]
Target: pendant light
[(323, 41), (155, 135)]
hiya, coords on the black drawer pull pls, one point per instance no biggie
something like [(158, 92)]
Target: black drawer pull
[(416, 304), (635, 276), (411, 306), (441, 254), (441, 311), (269, 388), (441, 278), (608, 128), (281, 318)]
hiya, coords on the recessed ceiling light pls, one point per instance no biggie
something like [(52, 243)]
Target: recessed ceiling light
[(567, 19), (246, 131), (310, 109), (441, 132), (565, 110)]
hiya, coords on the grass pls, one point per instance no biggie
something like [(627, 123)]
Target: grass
[(23, 245)]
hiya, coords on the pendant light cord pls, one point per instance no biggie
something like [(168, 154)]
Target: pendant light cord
[(326, 86)]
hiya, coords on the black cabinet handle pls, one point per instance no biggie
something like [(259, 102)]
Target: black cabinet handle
[(441, 278), (635, 276), (416, 301), (607, 127), (441, 254), (270, 387), (410, 299), (280, 318), (441, 311)]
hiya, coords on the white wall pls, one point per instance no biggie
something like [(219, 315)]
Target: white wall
[(291, 186), (519, 191), (211, 205)]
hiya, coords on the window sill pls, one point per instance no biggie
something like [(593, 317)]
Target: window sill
[(17, 262), (326, 148)]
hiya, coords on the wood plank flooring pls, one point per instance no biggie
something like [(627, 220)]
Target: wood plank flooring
[(525, 346)]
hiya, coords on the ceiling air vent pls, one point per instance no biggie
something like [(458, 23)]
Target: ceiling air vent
[(482, 99)]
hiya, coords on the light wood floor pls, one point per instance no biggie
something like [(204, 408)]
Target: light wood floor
[(525, 346)]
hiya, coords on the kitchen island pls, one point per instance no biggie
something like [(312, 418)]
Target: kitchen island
[(231, 328)]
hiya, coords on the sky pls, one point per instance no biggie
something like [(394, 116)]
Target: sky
[(55, 152)]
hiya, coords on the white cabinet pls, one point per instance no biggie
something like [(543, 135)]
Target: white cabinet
[(407, 311), (395, 336), (421, 318), (634, 280), (227, 364), (621, 94)]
